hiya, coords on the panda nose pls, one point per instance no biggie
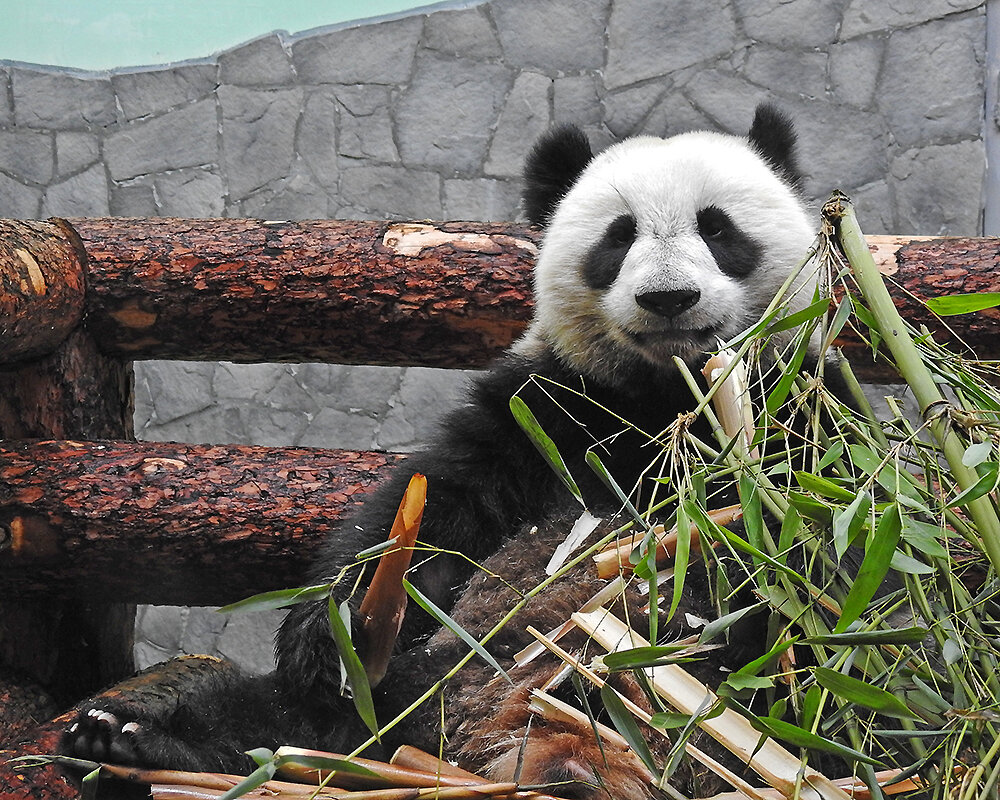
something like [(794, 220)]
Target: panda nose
[(668, 303)]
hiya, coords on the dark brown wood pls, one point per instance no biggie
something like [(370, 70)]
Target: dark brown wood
[(164, 523), (445, 295), (41, 288), (69, 647)]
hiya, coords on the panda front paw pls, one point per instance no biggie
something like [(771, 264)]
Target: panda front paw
[(101, 735)]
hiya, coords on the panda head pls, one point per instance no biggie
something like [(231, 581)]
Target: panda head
[(656, 248)]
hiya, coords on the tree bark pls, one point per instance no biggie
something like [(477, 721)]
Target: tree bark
[(165, 523), (447, 295)]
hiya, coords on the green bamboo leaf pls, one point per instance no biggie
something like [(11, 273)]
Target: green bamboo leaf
[(667, 720), (725, 622), (90, 784), (877, 637), (626, 725), (780, 392), (799, 737), (878, 556), (594, 462), (790, 527), (737, 683), (810, 706), (254, 780), (848, 523), (925, 537), (428, 605), (989, 473), (811, 508), (844, 310), (975, 454), (909, 565), (836, 451), (282, 598), (753, 517), (325, 763), (824, 487), (817, 309), (642, 657), (963, 303), (357, 678), (682, 555), (857, 691), (755, 666), (530, 425)]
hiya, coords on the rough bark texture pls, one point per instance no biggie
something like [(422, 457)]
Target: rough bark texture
[(41, 288), (448, 295), (165, 523), (71, 648)]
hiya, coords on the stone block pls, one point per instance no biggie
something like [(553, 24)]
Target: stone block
[(258, 136), (145, 92), (6, 106), (365, 130), (626, 109), (788, 72), (648, 39), (64, 100), (364, 389), (576, 99), (391, 192), (792, 23), (190, 193), (482, 199), (726, 98), (296, 197), (133, 200), (82, 195), (674, 113), (445, 117), (854, 70), (554, 36), (463, 32), (202, 630), (75, 150), (938, 189), (424, 396), (932, 81), (261, 62), (375, 53), (874, 207), (316, 140), (864, 16), (186, 137), (333, 427), (248, 640), (28, 154), (173, 389), (161, 626), (18, 201), (525, 116)]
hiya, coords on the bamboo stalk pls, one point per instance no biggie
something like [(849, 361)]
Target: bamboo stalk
[(414, 758), (910, 365)]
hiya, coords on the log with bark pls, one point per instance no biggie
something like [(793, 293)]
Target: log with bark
[(165, 523)]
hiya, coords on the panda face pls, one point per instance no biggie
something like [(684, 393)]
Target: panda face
[(660, 247)]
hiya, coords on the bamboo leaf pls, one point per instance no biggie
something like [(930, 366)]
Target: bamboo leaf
[(824, 487), (849, 522), (642, 657), (254, 780), (817, 309), (877, 637), (282, 598), (318, 762), (357, 678), (857, 691), (682, 555), (988, 476), (594, 462), (89, 784), (878, 556), (975, 454), (954, 304), (725, 622), (755, 666), (530, 425), (626, 725), (428, 605)]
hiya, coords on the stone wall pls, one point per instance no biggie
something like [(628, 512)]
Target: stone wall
[(429, 116)]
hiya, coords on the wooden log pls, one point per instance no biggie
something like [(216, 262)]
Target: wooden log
[(71, 648), (165, 523), (444, 295), (41, 287)]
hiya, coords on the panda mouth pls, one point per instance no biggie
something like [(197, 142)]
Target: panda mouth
[(673, 338)]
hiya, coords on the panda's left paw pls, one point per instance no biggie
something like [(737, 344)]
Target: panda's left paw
[(101, 735)]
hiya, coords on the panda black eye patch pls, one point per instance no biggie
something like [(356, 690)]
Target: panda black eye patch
[(734, 251), (604, 261)]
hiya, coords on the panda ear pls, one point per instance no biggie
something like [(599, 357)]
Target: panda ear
[(773, 136), (552, 167)]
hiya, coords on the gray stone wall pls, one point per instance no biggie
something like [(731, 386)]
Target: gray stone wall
[(429, 116)]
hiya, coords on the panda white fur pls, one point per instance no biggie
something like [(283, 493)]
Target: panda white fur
[(652, 249)]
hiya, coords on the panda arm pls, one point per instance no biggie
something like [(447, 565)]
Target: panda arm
[(484, 478)]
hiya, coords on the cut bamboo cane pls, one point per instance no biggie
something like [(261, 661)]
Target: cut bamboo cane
[(776, 765)]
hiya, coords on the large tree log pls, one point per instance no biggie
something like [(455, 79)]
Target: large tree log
[(449, 295), (169, 523)]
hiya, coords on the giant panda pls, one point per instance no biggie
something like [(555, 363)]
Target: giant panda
[(652, 249)]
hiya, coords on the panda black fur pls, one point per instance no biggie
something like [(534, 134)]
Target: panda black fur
[(653, 249)]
